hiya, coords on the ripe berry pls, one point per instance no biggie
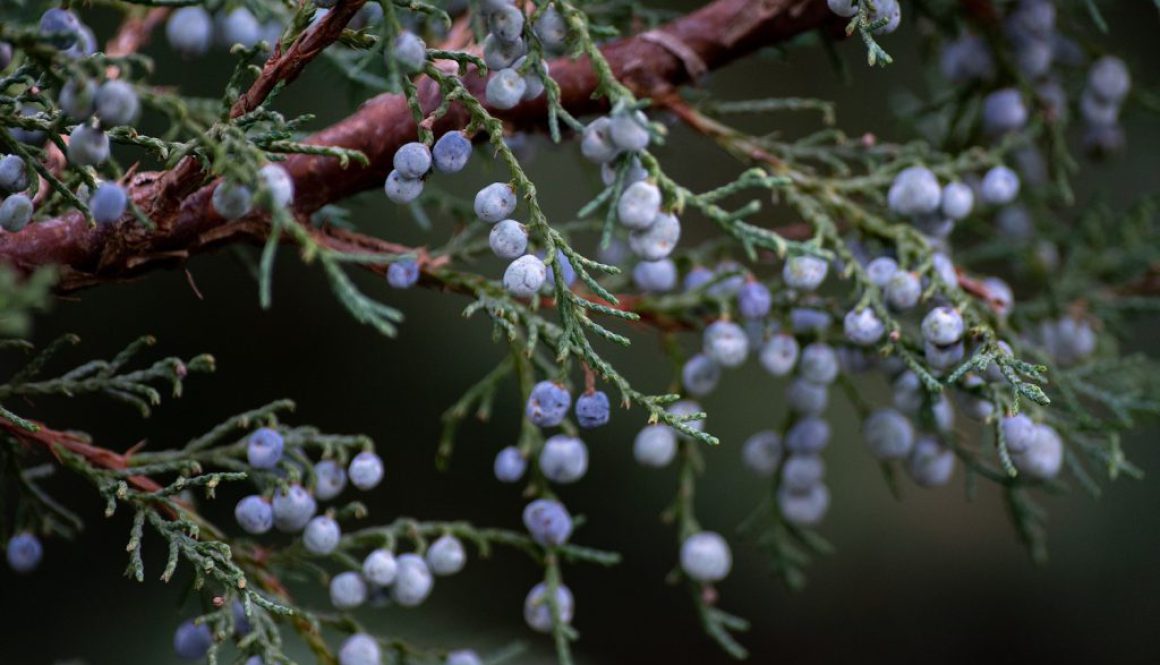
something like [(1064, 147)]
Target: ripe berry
[(191, 641), (1043, 456), (409, 52), (705, 557), (1018, 432), (321, 535), (77, 98), (700, 375), (525, 276), (943, 357), (498, 54), (24, 552), (108, 203), (360, 649), (413, 581), (538, 613), (726, 343), (1109, 79), (278, 183), (592, 409), (889, 10), (942, 326), (232, 200), (808, 436), (761, 453), (446, 556), (1004, 111), (400, 189), (805, 273), (655, 276), (655, 445), (506, 23), (635, 173), (293, 508), (563, 459), (451, 151), (802, 472), (863, 327), (915, 191), (495, 202), (412, 160), (819, 363), (903, 290), (238, 27), (505, 89), (754, 300), (329, 479), (806, 397), (931, 463), (87, 146), (190, 31), (805, 508), (347, 590), (551, 29), (1000, 186), (698, 277), (548, 522), (563, 265), (462, 657), (117, 103), (254, 514), (13, 174), (366, 470), (880, 270), (264, 448), (957, 200), (596, 142), (779, 355), (34, 137), (888, 434), (629, 131), (403, 274), (846, 8), (60, 26), (15, 212), (380, 567), (658, 240), (639, 205), (508, 239), (688, 407), (548, 404), (510, 465)]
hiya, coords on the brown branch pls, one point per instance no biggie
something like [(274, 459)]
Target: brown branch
[(718, 34), (135, 32)]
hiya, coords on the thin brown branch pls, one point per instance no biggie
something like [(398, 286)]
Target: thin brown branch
[(135, 32)]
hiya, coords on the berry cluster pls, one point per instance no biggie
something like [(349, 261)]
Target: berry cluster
[(516, 77)]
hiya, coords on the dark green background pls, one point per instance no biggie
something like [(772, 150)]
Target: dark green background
[(931, 578)]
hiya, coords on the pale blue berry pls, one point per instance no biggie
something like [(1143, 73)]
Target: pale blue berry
[(931, 463), (15, 212), (684, 408), (639, 205), (380, 567), (365, 470), (819, 363), (779, 355), (700, 375), (108, 203), (808, 436), (967, 59), (293, 508), (726, 343), (321, 535), (190, 31), (238, 27), (698, 277), (525, 276), (446, 556), (60, 26), (191, 641), (1109, 79), (87, 146), (563, 459), (232, 200), (412, 160), (24, 552), (761, 453), (510, 465), (1004, 111), (551, 29), (903, 290), (596, 142), (957, 200), (806, 397), (844, 8), (360, 649), (942, 326), (117, 103), (505, 89), (278, 184), (498, 54), (943, 357), (462, 657), (254, 514), (413, 581), (804, 272), (495, 202), (403, 274), (888, 434), (1018, 432), (634, 174), (754, 300), (1043, 456), (809, 320), (548, 404), (264, 448), (548, 522), (508, 239), (506, 23), (347, 590), (13, 174), (538, 612), (77, 99), (863, 327), (592, 409), (451, 151), (880, 270), (804, 508), (915, 191), (329, 480), (705, 557), (655, 445), (409, 52), (658, 240), (629, 131), (655, 276), (563, 265), (800, 473), (1000, 186), (400, 189), (891, 11)]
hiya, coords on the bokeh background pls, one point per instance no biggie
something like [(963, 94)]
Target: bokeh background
[(932, 577)]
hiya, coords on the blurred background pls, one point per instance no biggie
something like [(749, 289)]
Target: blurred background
[(931, 577)]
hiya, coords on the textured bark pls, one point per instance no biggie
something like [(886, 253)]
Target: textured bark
[(652, 64)]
